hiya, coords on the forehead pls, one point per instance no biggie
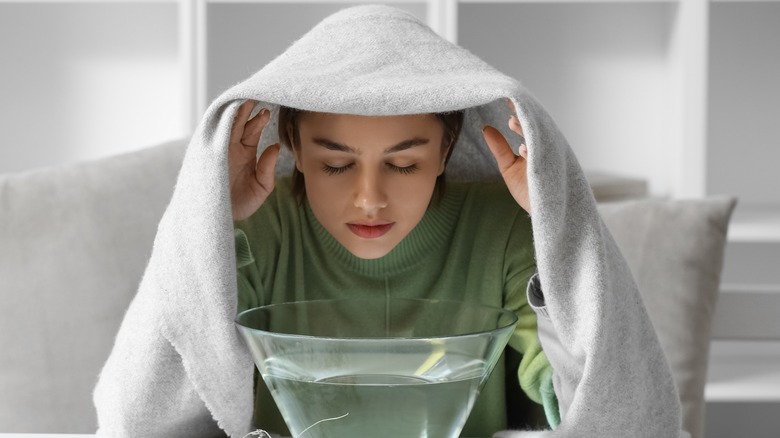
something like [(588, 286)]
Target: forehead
[(357, 126)]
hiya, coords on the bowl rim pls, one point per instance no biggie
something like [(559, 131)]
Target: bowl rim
[(513, 320)]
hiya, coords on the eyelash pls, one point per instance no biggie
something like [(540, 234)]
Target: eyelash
[(331, 170), (408, 170)]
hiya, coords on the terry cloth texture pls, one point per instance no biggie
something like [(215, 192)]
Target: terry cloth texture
[(179, 368)]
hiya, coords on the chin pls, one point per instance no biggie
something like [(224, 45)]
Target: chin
[(363, 251), (369, 255)]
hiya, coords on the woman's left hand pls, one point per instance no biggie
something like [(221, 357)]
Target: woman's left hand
[(513, 167)]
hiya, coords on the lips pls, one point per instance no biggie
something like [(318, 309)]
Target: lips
[(370, 231)]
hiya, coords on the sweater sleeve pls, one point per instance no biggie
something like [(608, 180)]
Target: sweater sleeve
[(258, 241), (535, 297), (248, 296), (535, 373)]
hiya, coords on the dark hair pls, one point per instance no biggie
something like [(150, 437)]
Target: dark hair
[(289, 136)]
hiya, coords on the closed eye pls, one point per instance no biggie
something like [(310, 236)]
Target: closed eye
[(404, 170), (333, 170), (338, 170)]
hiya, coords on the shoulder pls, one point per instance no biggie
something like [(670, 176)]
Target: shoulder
[(489, 201), (488, 214), (495, 225), (281, 201), (280, 210)]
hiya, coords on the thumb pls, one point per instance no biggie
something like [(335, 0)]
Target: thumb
[(265, 169)]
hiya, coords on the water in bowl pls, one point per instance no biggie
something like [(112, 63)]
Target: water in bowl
[(432, 401)]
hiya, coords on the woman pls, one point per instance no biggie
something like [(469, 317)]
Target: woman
[(179, 367), (367, 212)]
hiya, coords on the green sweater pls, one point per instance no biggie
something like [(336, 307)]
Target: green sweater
[(474, 244)]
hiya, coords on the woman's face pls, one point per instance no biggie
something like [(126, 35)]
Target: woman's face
[(369, 180)]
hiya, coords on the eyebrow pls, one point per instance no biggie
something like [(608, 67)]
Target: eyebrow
[(406, 144)]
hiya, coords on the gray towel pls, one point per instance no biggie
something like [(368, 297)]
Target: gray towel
[(179, 369)]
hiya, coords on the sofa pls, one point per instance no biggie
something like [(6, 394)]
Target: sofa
[(74, 241)]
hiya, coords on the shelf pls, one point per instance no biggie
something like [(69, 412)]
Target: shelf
[(755, 223), (747, 312), (743, 372), (611, 187)]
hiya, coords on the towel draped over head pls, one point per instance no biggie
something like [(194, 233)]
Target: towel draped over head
[(178, 355)]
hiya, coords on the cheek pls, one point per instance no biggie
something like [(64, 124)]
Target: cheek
[(324, 192), (412, 192)]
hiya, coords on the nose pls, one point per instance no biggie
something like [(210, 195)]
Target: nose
[(370, 193)]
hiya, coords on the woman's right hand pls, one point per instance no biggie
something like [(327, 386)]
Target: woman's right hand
[(251, 178)]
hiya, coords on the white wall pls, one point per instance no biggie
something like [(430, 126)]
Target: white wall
[(85, 80), (744, 101), (603, 71)]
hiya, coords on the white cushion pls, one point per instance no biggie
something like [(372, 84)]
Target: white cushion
[(74, 241), (675, 252)]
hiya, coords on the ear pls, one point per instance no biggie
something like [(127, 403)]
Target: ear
[(297, 156), (445, 156), (295, 150)]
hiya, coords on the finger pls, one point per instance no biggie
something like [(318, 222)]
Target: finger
[(499, 147), (514, 125), (265, 170), (254, 128), (242, 115), (514, 122)]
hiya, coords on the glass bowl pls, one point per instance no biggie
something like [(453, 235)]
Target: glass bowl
[(376, 367)]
